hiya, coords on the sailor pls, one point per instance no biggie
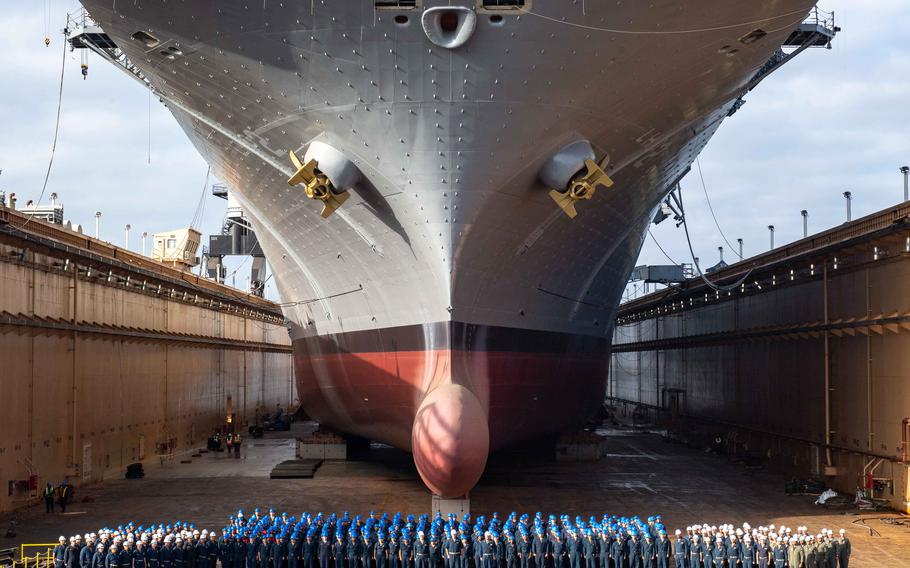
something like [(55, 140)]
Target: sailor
[(663, 549), (139, 554), (225, 551), (843, 550), (488, 551), (199, 553), (369, 547), (522, 549), (339, 550), (212, 550), (573, 549), (748, 552), (71, 554), (241, 543), (152, 555), (694, 551), (720, 551), (830, 549), (381, 550), (540, 549), (604, 539), (558, 550), (763, 552), (732, 551), (453, 550), (405, 558), (394, 550), (616, 551), (98, 556), (634, 549), (111, 560), (589, 549), (435, 551), (354, 550), (421, 551), (324, 550), (125, 558), (648, 551), (167, 553), (60, 553), (511, 551), (680, 550)]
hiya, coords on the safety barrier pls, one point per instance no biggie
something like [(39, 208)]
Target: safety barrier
[(35, 556)]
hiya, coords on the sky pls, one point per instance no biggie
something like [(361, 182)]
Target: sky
[(828, 122)]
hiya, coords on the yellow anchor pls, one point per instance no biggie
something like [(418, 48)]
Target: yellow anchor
[(582, 186), (317, 185)]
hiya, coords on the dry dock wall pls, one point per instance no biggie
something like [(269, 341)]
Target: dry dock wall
[(107, 358), (806, 365)]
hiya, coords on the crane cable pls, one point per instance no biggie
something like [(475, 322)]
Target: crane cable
[(712, 285), (50, 163), (711, 207)]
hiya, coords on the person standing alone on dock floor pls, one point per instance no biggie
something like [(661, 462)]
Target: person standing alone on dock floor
[(49, 497), (64, 492)]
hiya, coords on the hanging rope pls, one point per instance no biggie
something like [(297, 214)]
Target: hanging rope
[(50, 164)]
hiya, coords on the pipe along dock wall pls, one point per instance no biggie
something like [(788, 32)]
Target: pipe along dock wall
[(108, 358), (805, 367)]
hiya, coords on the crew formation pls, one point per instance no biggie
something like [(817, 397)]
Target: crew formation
[(381, 541)]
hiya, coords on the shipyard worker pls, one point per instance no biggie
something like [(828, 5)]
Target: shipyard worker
[(237, 442), (64, 492), (49, 492), (843, 548)]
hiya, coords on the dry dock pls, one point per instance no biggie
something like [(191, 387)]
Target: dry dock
[(803, 367), (110, 358)]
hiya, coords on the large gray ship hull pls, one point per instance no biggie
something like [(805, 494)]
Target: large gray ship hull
[(450, 307)]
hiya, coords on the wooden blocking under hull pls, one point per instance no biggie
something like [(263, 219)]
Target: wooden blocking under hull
[(296, 469)]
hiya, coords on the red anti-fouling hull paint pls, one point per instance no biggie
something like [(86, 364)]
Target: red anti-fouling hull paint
[(454, 401)]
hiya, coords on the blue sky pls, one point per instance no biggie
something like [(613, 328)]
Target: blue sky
[(829, 121)]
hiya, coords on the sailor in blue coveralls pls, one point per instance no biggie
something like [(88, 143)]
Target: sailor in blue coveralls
[(680, 550)]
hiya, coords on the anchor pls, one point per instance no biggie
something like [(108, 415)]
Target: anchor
[(317, 185)]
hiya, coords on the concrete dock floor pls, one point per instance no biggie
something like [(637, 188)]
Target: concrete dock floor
[(643, 474)]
